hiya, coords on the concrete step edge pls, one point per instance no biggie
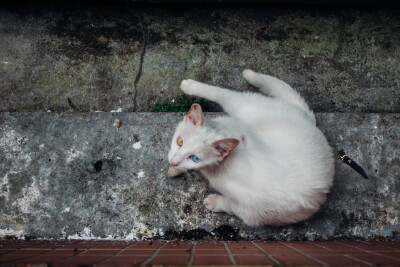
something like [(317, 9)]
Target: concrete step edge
[(75, 175)]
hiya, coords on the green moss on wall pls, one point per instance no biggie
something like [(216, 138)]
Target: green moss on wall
[(182, 104)]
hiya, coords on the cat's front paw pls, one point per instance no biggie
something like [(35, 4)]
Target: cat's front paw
[(212, 202), (189, 86)]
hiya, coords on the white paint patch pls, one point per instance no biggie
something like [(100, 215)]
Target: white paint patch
[(27, 159), (181, 223), (4, 182), (394, 221), (63, 232), (86, 234), (384, 190), (73, 154), (66, 209), (30, 195), (118, 110), (137, 145), (160, 231), (140, 232), (11, 232), (192, 189), (140, 174), (10, 142)]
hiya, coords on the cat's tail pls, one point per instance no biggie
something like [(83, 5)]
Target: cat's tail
[(277, 88)]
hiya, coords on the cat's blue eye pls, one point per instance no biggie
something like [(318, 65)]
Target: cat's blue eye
[(195, 159)]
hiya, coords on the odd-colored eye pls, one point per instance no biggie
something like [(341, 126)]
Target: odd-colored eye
[(179, 141), (195, 159)]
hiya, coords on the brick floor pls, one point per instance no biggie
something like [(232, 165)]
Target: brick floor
[(129, 253)]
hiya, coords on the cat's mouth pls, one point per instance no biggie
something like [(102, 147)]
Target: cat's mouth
[(174, 171)]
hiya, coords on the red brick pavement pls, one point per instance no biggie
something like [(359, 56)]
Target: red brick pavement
[(130, 253)]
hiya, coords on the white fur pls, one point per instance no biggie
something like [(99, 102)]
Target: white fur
[(282, 168)]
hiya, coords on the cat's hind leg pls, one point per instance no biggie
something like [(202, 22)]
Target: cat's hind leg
[(277, 88), (217, 203)]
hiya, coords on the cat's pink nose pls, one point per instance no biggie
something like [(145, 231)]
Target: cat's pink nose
[(174, 163)]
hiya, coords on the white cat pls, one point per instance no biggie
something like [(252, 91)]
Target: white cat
[(269, 161)]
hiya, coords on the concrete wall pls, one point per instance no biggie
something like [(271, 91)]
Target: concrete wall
[(107, 57)]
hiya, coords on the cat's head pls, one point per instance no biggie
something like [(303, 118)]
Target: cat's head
[(195, 146)]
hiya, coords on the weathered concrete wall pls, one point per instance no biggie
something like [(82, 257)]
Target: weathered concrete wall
[(76, 175), (129, 56)]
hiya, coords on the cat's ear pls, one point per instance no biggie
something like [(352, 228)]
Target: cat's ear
[(225, 146), (195, 115)]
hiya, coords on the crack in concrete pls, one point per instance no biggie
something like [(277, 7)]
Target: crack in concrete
[(139, 74), (339, 48)]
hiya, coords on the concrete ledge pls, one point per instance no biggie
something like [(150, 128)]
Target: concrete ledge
[(75, 175)]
